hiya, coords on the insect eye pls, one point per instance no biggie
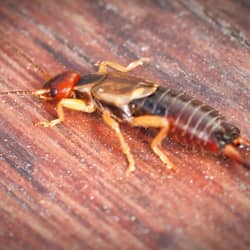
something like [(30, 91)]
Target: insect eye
[(53, 92)]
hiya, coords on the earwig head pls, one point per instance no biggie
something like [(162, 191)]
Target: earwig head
[(61, 86)]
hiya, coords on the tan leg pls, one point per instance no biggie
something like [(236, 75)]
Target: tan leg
[(103, 66), (125, 148), (156, 122), (70, 103), (155, 147)]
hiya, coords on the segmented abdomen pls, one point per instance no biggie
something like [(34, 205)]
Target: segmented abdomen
[(191, 120)]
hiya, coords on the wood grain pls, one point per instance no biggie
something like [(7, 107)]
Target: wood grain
[(65, 187)]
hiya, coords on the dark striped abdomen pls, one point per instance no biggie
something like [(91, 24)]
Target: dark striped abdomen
[(191, 120)]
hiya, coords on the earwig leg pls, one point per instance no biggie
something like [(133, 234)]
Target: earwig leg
[(103, 66), (155, 147), (125, 148), (70, 103), (157, 122)]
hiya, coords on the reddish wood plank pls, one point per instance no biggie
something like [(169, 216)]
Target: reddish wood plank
[(65, 187)]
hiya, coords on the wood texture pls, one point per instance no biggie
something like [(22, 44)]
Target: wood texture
[(65, 187)]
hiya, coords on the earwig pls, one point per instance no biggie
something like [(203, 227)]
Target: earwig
[(120, 97)]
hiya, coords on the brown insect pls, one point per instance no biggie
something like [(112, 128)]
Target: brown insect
[(120, 97)]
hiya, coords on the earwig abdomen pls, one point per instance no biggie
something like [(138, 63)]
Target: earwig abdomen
[(191, 121)]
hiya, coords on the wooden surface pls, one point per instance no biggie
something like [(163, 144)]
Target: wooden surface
[(65, 187)]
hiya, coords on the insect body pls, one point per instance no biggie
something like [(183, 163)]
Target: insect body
[(123, 98)]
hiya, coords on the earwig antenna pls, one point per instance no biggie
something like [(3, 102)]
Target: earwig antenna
[(17, 50), (17, 92), (37, 92)]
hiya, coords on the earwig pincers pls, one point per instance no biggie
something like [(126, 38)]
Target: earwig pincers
[(120, 97)]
